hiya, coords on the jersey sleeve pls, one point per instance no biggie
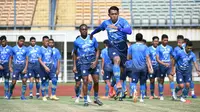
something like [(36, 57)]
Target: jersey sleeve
[(58, 54), (40, 52), (194, 59), (102, 54), (157, 51), (147, 51), (96, 45)]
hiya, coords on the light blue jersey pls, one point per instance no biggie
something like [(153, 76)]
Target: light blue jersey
[(56, 56), (152, 55), (138, 52), (104, 55), (5, 53), (46, 55), (113, 34), (33, 54), (164, 53), (19, 54), (86, 49)]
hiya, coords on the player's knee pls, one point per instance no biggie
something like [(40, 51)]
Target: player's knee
[(116, 60), (181, 85), (14, 82), (78, 83), (187, 85), (152, 80)]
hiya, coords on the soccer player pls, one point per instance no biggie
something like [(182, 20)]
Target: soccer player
[(88, 53), (139, 54), (117, 29), (152, 55), (47, 71), (106, 70), (33, 67), (183, 76), (5, 54), (56, 61), (165, 59), (20, 64)]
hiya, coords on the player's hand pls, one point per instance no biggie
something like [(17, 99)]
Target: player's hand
[(1, 67), (57, 72), (102, 72), (166, 64), (11, 69), (74, 69), (91, 36), (113, 27), (47, 69), (94, 64), (173, 72), (24, 71)]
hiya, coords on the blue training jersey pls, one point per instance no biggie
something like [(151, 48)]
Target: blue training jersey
[(104, 55), (86, 49), (184, 60), (33, 54), (113, 34), (46, 55), (19, 54), (5, 53), (164, 53), (152, 55), (138, 52), (56, 56)]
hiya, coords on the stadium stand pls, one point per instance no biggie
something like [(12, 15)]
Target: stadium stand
[(24, 13)]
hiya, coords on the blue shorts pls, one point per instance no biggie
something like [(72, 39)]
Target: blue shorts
[(140, 75), (155, 73), (47, 76), (34, 70), (77, 77), (107, 75), (85, 70), (17, 71), (164, 71), (5, 72), (182, 76), (118, 49)]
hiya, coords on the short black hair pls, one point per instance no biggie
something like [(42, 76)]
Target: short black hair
[(189, 43), (186, 40), (139, 37), (82, 26), (32, 38), (113, 8), (180, 37), (106, 41), (3, 37), (45, 37), (51, 39), (164, 36), (155, 37), (144, 40), (21, 37)]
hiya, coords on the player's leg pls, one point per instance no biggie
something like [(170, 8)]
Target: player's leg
[(96, 89), (24, 85), (43, 76), (85, 89), (152, 85), (143, 78), (47, 88), (135, 77), (106, 77), (89, 87), (37, 82), (161, 78), (54, 82), (77, 87), (172, 84), (31, 83), (6, 75), (130, 90)]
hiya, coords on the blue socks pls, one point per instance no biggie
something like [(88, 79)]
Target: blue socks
[(160, 88), (172, 86), (133, 87), (54, 86), (116, 72), (107, 90), (31, 87), (6, 87), (47, 87), (142, 90), (23, 89), (37, 87), (77, 91), (43, 87), (95, 95), (85, 99), (152, 86), (124, 85), (89, 88), (12, 86)]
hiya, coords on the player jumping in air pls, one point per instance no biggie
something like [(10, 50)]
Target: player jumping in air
[(88, 53), (117, 29)]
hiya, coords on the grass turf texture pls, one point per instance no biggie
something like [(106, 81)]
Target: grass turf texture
[(66, 104)]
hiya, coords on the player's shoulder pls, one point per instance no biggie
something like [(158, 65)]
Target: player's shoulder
[(169, 46)]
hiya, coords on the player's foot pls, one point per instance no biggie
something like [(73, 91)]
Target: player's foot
[(47, 96), (111, 92), (125, 93), (86, 104), (77, 100), (97, 101), (194, 96), (6, 97), (37, 95), (174, 96), (31, 96), (23, 98), (130, 97), (44, 98), (120, 99), (141, 100), (182, 99), (161, 98), (119, 85), (88, 99), (105, 97), (151, 97), (135, 97), (145, 96), (53, 97), (80, 96), (9, 96)]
